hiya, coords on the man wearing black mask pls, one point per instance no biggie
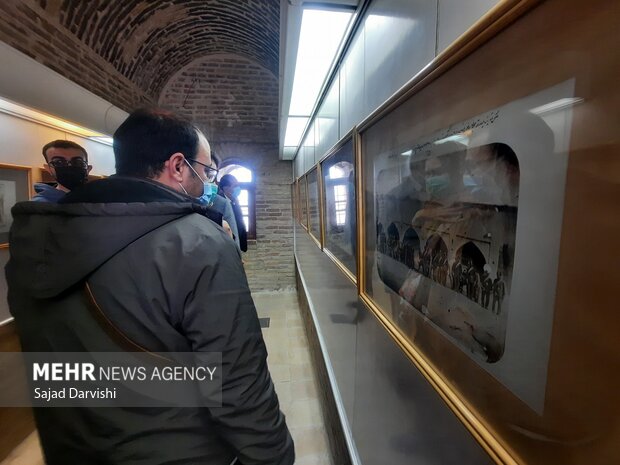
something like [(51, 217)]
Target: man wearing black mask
[(229, 188), (67, 162)]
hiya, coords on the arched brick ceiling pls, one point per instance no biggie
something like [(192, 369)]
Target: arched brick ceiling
[(230, 97), (149, 41)]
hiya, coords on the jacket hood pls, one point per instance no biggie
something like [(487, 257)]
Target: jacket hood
[(55, 246)]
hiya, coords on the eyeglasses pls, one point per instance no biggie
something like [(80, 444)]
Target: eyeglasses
[(210, 173), (76, 162)]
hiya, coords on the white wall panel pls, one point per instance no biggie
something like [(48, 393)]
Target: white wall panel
[(399, 41), (352, 85), (456, 16), (327, 121), (22, 141), (308, 149)]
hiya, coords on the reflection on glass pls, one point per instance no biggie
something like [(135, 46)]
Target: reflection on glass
[(445, 239), (313, 204), (303, 199), (339, 181)]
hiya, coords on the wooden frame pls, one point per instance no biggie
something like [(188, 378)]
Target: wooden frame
[(303, 202), (294, 197), (331, 152), (529, 58), (25, 189), (318, 238)]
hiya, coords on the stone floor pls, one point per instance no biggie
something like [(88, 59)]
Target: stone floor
[(292, 373), (294, 377)]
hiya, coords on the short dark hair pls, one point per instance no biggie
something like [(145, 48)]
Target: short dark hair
[(148, 137), (62, 144), (227, 180)]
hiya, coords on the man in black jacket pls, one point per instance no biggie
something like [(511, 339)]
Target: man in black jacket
[(229, 188), (170, 279)]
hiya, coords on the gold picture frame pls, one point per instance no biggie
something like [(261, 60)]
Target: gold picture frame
[(15, 186), (294, 198), (337, 255), (303, 202), (315, 207)]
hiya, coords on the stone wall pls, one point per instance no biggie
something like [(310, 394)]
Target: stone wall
[(235, 101)]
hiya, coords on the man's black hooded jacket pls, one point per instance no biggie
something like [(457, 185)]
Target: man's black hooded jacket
[(172, 280)]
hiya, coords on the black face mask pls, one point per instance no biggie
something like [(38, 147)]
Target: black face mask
[(71, 177)]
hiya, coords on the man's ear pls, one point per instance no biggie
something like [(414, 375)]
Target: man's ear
[(175, 165), (90, 167)]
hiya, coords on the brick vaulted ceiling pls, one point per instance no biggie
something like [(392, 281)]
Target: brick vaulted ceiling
[(149, 41)]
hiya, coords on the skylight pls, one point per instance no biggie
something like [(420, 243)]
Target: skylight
[(319, 39)]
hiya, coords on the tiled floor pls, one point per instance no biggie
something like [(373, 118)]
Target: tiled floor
[(292, 373)]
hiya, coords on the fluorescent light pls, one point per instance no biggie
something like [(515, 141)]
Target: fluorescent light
[(295, 126), (36, 116), (319, 39), (556, 106), (407, 153)]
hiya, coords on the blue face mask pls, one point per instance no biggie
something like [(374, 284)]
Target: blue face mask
[(435, 185), (209, 189), (236, 191), (209, 193)]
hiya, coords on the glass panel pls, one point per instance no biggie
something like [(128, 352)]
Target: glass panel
[(246, 220), (245, 210), (339, 181), (313, 198), (446, 238), (303, 200)]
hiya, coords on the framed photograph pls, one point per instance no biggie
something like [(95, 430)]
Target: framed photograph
[(303, 201), (15, 186), (481, 182), (340, 216), (314, 207)]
